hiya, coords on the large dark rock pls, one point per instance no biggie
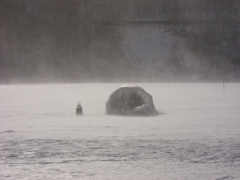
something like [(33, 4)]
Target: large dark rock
[(130, 100)]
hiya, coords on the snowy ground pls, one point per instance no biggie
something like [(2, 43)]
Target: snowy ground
[(196, 137)]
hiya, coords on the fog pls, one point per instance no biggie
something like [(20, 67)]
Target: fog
[(103, 41), (56, 53), (196, 137)]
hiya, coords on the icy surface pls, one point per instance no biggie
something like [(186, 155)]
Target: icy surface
[(197, 137)]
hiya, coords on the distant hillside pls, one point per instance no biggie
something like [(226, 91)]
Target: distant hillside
[(120, 40)]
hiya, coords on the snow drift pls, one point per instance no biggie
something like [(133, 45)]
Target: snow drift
[(130, 100)]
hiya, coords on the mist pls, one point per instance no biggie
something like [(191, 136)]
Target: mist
[(119, 41), (196, 137), (118, 59)]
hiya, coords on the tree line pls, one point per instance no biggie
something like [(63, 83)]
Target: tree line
[(82, 40)]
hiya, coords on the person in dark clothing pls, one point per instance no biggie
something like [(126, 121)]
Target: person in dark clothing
[(79, 110)]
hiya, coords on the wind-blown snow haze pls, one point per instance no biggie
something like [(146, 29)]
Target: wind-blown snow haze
[(184, 54), (118, 41), (196, 137)]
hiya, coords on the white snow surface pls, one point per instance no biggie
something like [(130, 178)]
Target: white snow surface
[(196, 137)]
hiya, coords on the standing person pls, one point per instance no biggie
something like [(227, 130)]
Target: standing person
[(79, 109)]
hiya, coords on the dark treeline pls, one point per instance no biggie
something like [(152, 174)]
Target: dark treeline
[(51, 40), (82, 40)]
